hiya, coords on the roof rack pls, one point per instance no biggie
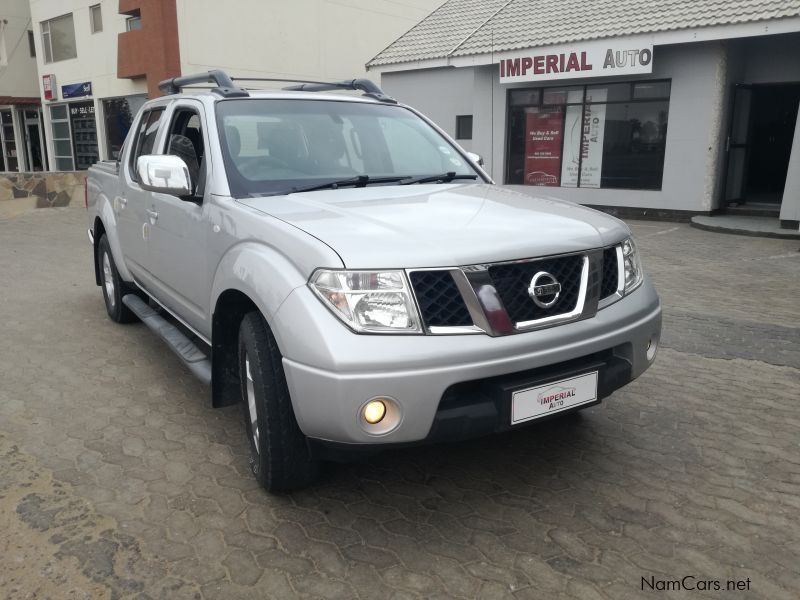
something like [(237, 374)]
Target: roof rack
[(225, 86), (228, 89), (365, 85), (303, 85)]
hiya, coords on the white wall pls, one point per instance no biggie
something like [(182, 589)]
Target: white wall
[(96, 60), (19, 77), (301, 39), (97, 53), (440, 94)]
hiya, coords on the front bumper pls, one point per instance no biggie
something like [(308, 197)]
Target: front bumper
[(332, 372)]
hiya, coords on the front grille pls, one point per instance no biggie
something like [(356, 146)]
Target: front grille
[(512, 282), (610, 273), (439, 300)]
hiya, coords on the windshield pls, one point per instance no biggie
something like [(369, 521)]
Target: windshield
[(280, 146)]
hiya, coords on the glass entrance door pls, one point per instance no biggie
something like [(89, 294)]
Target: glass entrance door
[(8, 143), (34, 141), (759, 143), (738, 145)]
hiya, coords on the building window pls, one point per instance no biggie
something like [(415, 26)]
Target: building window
[(594, 136), (31, 44), (62, 140), (464, 127), (96, 18), (58, 39), (133, 23)]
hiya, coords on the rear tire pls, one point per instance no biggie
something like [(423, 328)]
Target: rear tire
[(113, 286), (279, 454)]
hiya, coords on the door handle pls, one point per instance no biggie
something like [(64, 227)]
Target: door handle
[(153, 215), (122, 202)]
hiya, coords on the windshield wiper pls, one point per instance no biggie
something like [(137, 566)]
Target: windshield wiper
[(441, 178), (358, 181)]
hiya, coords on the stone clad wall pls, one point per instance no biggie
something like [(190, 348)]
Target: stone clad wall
[(22, 191)]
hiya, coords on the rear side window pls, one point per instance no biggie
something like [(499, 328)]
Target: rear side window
[(145, 138)]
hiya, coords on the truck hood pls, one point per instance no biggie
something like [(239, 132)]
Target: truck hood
[(440, 224)]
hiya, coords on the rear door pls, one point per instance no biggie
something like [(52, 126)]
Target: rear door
[(133, 223), (180, 233)]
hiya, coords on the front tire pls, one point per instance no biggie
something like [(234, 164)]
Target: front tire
[(113, 286), (279, 454)]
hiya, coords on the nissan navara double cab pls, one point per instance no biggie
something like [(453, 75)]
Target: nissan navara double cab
[(341, 268)]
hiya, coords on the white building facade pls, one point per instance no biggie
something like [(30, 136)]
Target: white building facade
[(99, 60), (21, 133), (688, 109)]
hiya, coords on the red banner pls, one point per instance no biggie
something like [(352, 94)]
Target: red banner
[(543, 137)]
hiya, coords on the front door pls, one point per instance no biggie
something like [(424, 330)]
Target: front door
[(179, 237)]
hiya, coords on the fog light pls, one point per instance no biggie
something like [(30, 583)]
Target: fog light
[(652, 346), (374, 411)]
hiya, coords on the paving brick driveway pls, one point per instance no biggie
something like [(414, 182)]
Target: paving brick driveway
[(118, 480)]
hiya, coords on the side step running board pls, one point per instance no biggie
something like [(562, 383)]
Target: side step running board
[(187, 351)]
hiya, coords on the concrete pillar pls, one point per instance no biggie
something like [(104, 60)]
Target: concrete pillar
[(790, 207), (489, 122)]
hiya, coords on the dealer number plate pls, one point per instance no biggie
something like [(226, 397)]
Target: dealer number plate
[(536, 402)]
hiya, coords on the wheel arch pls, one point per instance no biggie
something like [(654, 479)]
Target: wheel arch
[(98, 230), (231, 307), (250, 276), (105, 222)]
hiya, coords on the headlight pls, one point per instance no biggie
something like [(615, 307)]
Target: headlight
[(632, 266), (368, 301)]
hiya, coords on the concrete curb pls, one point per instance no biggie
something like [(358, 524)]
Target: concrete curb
[(787, 234)]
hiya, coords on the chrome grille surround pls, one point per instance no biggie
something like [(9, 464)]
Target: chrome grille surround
[(488, 313), (485, 305)]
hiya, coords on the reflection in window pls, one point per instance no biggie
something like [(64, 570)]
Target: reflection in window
[(607, 136), (146, 138), (633, 149), (119, 114)]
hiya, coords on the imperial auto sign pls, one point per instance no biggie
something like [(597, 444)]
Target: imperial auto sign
[(596, 59)]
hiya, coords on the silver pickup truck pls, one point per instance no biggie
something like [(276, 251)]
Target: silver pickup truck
[(347, 273)]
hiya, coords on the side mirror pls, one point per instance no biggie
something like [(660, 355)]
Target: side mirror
[(476, 158), (165, 174)]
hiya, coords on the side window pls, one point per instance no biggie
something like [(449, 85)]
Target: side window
[(185, 140), (145, 138)]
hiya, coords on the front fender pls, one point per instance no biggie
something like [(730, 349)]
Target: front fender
[(263, 274)]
